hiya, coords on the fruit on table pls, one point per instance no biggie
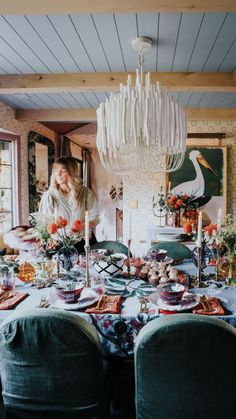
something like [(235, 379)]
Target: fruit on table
[(26, 272)]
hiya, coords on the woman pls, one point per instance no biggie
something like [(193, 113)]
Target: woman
[(67, 197)]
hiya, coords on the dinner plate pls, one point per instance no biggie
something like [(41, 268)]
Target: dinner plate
[(188, 301), (116, 284), (167, 260), (88, 297), (170, 238)]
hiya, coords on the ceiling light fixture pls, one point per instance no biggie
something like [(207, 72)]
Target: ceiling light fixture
[(141, 126)]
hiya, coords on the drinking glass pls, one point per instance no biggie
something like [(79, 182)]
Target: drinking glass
[(7, 281)]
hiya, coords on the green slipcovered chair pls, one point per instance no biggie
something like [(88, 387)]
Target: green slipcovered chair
[(116, 247), (175, 250), (51, 366), (185, 368)]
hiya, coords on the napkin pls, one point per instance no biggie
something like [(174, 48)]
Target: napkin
[(209, 306), (106, 304), (10, 299), (162, 311)]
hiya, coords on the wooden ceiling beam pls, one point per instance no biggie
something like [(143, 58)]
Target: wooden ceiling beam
[(210, 114), (22, 7), (57, 115), (107, 82), (89, 115)]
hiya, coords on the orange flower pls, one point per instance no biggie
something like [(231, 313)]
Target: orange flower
[(171, 199), (179, 202), (176, 206), (61, 222), (209, 229), (77, 225), (52, 228)]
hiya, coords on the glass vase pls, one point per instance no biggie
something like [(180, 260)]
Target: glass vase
[(191, 216), (67, 257), (230, 278), (206, 256), (176, 219)]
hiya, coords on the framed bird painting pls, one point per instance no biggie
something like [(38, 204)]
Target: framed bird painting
[(203, 174)]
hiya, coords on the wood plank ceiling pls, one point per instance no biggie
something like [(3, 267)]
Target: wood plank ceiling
[(59, 44)]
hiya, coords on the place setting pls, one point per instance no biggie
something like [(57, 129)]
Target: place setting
[(78, 298), (173, 297)]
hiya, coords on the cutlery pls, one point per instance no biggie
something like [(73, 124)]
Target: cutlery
[(143, 304), (44, 302), (205, 303)]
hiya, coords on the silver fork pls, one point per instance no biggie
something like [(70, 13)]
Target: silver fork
[(44, 302), (143, 304)]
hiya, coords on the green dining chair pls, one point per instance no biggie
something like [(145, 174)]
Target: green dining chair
[(51, 366), (185, 368), (116, 247), (175, 250)]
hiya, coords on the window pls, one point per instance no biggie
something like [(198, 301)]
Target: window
[(9, 209)]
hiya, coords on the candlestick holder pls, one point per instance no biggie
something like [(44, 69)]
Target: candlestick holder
[(199, 267), (58, 267), (87, 277), (217, 262), (128, 273), (157, 209)]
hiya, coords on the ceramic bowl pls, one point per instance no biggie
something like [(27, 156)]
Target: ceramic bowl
[(171, 293), (108, 268), (69, 296), (158, 255)]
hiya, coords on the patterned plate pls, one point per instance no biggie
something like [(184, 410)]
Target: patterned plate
[(88, 297), (188, 301)]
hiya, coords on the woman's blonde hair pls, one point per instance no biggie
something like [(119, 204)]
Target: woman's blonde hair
[(74, 182)]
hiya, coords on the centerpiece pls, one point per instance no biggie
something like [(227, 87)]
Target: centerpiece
[(173, 204), (227, 238), (53, 238)]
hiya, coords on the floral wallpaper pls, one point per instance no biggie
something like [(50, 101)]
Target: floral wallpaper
[(23, 128), (140, 187)]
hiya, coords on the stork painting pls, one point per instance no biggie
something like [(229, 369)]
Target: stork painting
[(203, 173)]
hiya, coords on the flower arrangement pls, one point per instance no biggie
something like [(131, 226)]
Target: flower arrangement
[(209, 235), (59, 227), (173, 203), (228, 239), (228, 234), (52, 234)]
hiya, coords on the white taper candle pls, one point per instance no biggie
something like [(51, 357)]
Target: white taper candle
[(219, 220), (129, 229), (199, 230)]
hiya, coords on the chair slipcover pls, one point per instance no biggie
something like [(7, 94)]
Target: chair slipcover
[(185, 368), (51, 364), (116, 247), (175, 250)]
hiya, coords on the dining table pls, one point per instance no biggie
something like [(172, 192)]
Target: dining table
[(118, 331)]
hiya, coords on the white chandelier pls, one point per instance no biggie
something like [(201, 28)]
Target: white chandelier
[(141, 127)]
